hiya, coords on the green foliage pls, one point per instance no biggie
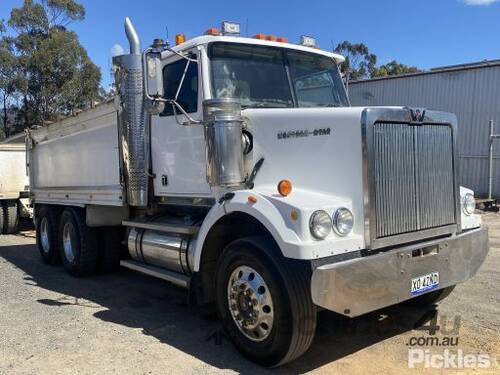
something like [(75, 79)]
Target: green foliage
[(393, 68), (361, 64), (50, 71)]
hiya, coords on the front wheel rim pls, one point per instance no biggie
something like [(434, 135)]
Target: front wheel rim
[(44, 235), (69, 242), (250, 303)]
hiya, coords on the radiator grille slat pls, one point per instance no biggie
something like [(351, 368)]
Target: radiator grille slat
[(413, 177)]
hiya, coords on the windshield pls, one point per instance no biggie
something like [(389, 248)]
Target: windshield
[(270, 77)]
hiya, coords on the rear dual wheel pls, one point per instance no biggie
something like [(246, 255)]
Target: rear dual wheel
[(46, 225), (65, 238), (9, 216)]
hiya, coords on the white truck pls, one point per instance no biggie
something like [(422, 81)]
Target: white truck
[(235, 167), (14, 186)]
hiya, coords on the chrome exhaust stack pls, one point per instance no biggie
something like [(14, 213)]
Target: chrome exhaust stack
[(132, 119)]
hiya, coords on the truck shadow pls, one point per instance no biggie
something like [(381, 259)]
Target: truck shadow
[(160, 310)]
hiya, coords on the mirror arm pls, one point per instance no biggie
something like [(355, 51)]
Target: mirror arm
[(175, 104), (182, 55)]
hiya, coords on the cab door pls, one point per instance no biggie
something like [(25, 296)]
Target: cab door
[(178, 151)]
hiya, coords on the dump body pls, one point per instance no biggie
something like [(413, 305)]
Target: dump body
[(77, 161)]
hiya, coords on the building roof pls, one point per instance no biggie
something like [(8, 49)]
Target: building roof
[(438, 70)]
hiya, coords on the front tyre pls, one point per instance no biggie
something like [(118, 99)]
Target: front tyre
[(264, 301)]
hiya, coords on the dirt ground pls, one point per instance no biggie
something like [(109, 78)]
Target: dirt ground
[(51, 323)]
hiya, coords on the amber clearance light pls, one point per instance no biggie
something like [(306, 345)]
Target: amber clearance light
[(284, 187), (179, 39)]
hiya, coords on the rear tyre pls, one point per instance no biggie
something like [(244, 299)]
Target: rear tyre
[(431, 298), (78, 243), (110, 248), (2, 217), (11, 216), (47, 226), (264, 301)]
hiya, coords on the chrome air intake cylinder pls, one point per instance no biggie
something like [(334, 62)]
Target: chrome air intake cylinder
[(223, 134), (132, 119)]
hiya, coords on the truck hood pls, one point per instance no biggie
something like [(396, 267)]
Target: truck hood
[(319, 150)]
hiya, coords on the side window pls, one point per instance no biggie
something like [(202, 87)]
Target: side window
[(188, 95)]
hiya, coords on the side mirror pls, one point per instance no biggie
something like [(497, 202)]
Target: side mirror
[(153, 74)]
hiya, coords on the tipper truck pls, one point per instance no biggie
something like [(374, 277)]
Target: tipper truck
[(235, 167), (14, 185)]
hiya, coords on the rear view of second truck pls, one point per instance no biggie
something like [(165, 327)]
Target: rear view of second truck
[(14, 184)]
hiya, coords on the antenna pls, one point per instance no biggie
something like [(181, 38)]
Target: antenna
[(246, 27), (167, 43)]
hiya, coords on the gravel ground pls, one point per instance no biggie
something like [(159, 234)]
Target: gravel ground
[(51, 323)]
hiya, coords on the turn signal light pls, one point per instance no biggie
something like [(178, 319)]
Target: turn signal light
[(284, 187), (252, 199), (271, 38), (213, 31), (179, 39)]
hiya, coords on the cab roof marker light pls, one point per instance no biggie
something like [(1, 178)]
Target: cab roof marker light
[(230, 28), (308, 41), (179, 39), (260, 36), (212, 31)]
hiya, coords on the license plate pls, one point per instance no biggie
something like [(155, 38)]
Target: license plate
[(424, 283)]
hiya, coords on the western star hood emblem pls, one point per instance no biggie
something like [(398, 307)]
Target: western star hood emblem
[(417, 114), (303, 133)]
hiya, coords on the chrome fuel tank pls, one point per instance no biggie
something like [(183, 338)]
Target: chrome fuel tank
[(165, 250)]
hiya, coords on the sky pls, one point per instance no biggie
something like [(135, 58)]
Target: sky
[(423, 33)]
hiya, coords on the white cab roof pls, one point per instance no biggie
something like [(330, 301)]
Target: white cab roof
[(205, 39)]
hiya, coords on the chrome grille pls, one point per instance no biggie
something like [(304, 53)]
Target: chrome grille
[(413, 177)]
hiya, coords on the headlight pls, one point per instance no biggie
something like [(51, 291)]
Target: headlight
[(343, 221), (468, 204), (320, 224)]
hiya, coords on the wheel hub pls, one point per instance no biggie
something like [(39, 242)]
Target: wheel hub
[(44, 235), (69, 242), (250, 303)]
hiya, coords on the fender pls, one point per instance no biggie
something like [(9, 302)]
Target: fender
[(262, 210)]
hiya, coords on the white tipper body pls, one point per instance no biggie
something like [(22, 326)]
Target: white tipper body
[(77, 162), (13, 174)]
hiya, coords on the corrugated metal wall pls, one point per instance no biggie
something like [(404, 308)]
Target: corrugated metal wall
[(473, 94)]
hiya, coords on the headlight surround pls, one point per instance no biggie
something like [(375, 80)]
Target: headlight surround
[(343, 221), (320, 224), (468, 204)]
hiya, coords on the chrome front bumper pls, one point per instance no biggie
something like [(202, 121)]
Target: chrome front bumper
[(365, 284)]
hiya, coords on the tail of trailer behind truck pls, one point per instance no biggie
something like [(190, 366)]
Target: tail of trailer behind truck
[(14, 184)]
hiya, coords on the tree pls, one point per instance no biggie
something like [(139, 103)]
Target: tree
[(7, 67), (359, 62), (55, 74), (393, 68)]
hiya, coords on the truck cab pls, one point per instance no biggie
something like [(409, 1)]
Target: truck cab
[(235, 167)]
